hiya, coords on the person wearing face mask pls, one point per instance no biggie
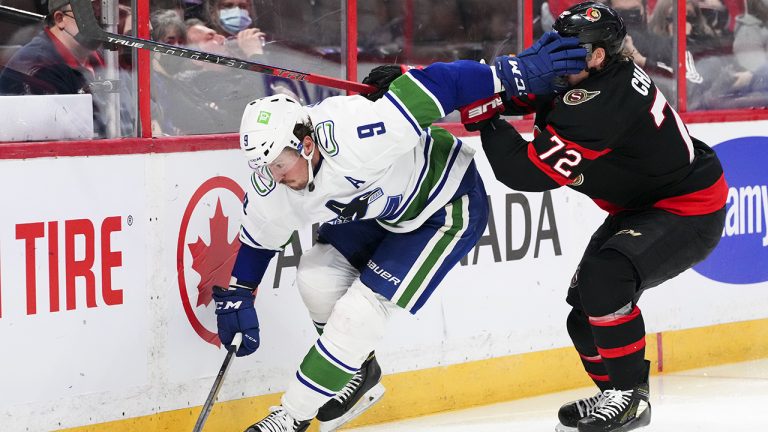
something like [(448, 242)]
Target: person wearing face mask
[(234, 19), (56, 61)]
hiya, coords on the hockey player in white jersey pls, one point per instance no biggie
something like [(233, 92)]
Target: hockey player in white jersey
[(402, 203)]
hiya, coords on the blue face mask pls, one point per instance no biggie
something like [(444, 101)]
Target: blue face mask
[(234, 20)]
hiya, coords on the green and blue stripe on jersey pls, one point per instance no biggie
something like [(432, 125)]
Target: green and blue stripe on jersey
[(427, 95), (440, 152), (423, 96), (407, 267)]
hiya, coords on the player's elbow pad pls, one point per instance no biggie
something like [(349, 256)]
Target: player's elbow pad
[(507, 153)]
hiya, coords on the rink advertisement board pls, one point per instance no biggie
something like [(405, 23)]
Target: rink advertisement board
[(107, 264)]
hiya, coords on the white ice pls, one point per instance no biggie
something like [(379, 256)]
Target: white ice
[(715, 399)]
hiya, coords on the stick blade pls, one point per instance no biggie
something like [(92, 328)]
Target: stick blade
[(86, 20)]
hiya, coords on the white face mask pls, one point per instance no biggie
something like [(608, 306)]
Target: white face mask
[(234, 20)]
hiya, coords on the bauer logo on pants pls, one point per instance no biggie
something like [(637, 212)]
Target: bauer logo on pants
[(206, 250), (742, 253)]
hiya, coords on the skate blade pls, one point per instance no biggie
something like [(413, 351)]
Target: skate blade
[(562, 428), (369, 398)]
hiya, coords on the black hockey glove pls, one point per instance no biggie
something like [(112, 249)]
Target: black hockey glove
[(381, 77)]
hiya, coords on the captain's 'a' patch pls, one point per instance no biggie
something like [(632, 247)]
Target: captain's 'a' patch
[(577, 96)]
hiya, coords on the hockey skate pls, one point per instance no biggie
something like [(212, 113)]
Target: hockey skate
[(620, 410), (360, 393), (279, 420), (570, 413)]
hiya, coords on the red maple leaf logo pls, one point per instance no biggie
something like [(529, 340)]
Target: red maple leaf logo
[(214, 262)]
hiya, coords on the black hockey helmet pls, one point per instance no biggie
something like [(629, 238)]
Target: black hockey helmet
[(593, 23)]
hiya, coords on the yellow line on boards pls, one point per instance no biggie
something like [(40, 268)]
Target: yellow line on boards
[(428, 391)]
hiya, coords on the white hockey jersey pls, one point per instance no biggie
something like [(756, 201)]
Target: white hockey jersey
[(379, 160)]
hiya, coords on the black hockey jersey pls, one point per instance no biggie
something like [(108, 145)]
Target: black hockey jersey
[(614, 138)]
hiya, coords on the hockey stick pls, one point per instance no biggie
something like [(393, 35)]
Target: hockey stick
[(89, 27), (21, 16), (217, 383)]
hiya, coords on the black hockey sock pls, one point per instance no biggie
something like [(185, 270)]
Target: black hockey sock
[(584, 342), (620, 340)]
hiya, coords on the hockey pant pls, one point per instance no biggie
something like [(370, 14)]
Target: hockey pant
[(630, 252), (357, 274)]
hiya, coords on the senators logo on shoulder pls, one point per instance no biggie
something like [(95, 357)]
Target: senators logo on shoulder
[(577, 96)]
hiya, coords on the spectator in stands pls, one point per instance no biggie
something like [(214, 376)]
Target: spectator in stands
[(125, 27), (235, 20), (750, 45), (168, 28), (717, 16), (706, 59), (195, 9), (198, 33), (177, 6), (196, 97), (744, 83), (383, 22), (651, 51), (56, 61), (177, 109)]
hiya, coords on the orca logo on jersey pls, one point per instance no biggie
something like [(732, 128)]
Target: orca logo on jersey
[(578, 96), (355, 209), (741, 255)]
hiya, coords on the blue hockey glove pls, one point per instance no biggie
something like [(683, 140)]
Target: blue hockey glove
[(235, 314), (535, 69)]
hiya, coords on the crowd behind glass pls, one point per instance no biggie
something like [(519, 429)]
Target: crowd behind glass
[(726, 57)]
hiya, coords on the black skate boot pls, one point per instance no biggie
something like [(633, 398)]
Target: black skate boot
[(279, 420), (570, 413), (360, 393), (620, 410)]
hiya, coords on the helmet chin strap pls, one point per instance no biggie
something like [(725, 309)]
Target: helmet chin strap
[(310, 171)]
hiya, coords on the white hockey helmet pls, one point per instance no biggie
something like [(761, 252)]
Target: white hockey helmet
[(267, 128)]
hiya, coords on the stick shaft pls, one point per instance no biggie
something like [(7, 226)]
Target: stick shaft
[(87, 24), (206, 410)]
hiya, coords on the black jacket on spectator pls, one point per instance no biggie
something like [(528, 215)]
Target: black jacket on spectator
[(45, 66)]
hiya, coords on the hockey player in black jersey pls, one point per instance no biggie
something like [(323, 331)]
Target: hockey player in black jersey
[(610, 134)]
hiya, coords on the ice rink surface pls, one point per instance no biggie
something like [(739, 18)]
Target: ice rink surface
[(728, 398)]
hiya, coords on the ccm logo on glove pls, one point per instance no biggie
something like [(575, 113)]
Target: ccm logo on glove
[(228, 305), (519, 75), (235, 314)]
